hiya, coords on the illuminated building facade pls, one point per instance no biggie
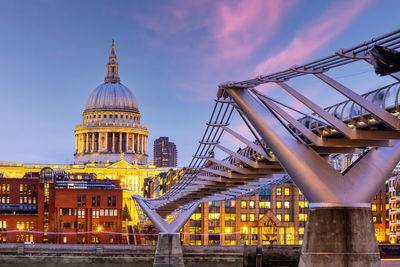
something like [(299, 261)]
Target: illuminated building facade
[(275, 216), (394, 209), (110, 143), (111, 123), (53, 207)]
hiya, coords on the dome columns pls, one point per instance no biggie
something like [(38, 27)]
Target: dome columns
[(110, 142)]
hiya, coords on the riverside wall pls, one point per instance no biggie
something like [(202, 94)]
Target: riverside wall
[(44, 255)]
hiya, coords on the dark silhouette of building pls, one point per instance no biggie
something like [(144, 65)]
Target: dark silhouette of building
[(165, 153)]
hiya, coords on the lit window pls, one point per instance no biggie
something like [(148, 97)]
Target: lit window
[(374, 218), (262, 204), (301, 231), (252, 217), (251, 204), (287, 191), (244, 204), (302, 217), (279, 204), (373, 207), (287, 217), (213, 216), (278, 191), (300, 193), (260, 216), (287, 204), (243, 217), (279, 216), (268, 204)]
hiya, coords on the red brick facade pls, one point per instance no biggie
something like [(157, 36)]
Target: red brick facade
[(51, 207)]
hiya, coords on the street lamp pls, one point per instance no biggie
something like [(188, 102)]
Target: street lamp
[(21, 228), (99, 229)]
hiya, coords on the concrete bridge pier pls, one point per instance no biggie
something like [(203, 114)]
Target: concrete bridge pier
[(169, 250), (340, 230), (340, 236)]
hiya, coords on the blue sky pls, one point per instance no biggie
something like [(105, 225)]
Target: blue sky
[(172, 55)]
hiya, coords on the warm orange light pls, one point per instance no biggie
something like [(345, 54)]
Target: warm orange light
[(99, 229), (228, 230), (21, 228)]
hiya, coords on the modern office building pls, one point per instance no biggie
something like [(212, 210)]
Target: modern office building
[(165, 153)]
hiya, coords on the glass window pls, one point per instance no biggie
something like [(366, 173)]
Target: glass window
[(244, 204), (230, 217), (262, 204), (243, 217), (287, 191), (279, 204), (252, 217), (301, 230), (302, 217), (268, 204), (287, 217), (251, 204), (279, 216), (260, 216), (279, 191), (213, 216), (287, 204), (373, 207)]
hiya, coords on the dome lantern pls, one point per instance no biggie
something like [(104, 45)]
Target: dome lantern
[(112, 67)]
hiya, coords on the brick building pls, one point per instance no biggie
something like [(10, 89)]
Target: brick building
[(52, 207)]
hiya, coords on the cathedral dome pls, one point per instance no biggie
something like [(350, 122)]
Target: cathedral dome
[(112, 96)]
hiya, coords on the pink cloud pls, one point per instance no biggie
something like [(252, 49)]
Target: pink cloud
[(331, 23), (176, 17), (241, 28)]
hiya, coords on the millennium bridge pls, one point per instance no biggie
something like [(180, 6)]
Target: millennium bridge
[(290, 144)]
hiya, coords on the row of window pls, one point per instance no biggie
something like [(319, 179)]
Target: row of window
[(99, 116), (3, 225), (267, 204), (96, 201), (97, 213), (5, 200), (24, 200), (5, 189), (27, 189), (25, 226), (394, 194)]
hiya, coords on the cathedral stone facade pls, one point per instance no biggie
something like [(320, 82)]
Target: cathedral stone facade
[(111, 128)]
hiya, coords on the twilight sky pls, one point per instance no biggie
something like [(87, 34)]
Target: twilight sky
[(172, 55)]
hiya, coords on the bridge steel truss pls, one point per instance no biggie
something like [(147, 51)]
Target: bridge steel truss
[(339, 230)]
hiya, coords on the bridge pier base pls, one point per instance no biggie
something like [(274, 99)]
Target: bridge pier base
[(340, 236), (169, 251)]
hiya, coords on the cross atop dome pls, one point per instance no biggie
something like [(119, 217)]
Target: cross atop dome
[(112, 67)]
